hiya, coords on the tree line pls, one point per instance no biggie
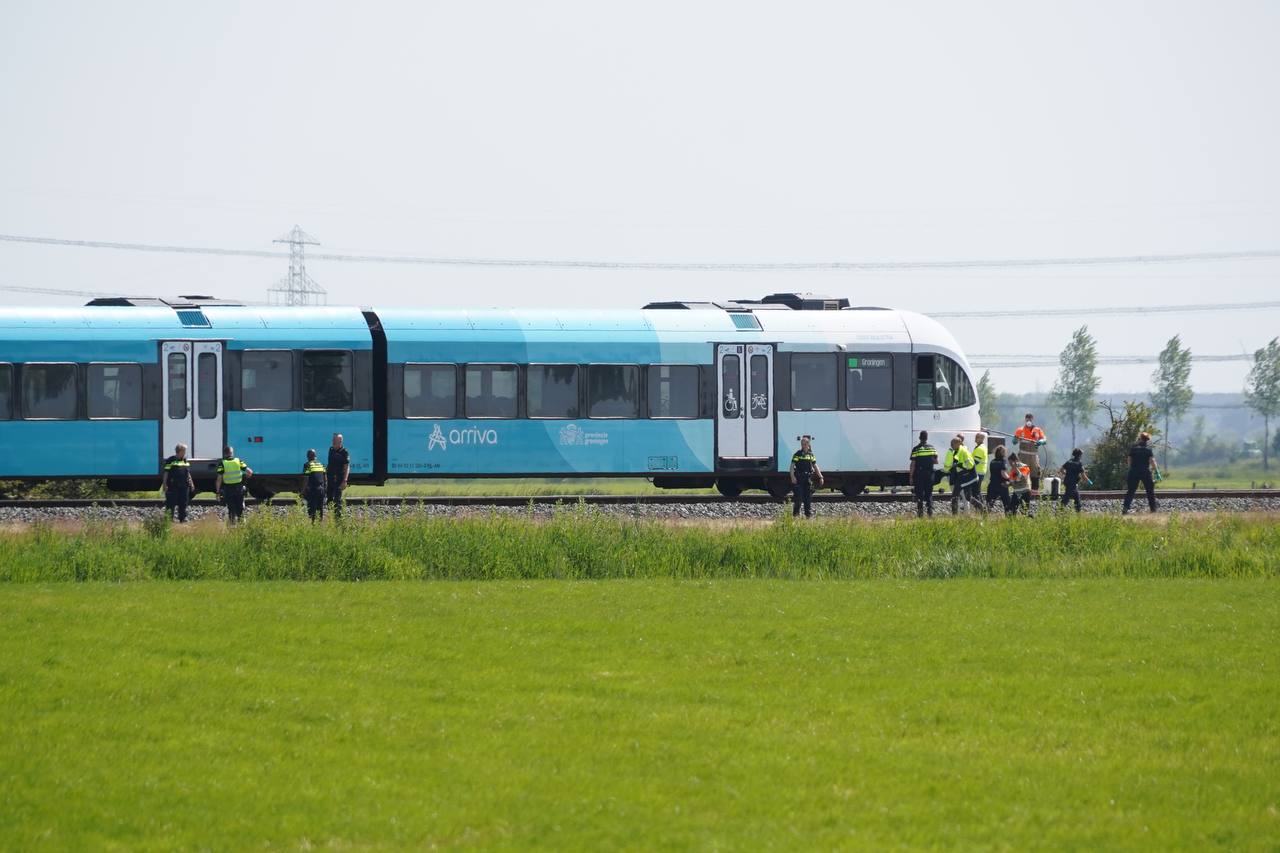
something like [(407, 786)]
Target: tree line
[(1075, 395)]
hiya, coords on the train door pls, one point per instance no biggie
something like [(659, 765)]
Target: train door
[(745, 425), (191, 373)]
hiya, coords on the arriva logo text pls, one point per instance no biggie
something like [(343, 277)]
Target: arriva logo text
[(470, 435)]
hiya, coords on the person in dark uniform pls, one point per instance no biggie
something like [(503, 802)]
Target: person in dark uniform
[(920, 474), (998, 485), (230, 485), (1072, 472), (177, 484), (313, 486), (1142, 466), (338, 469), (804, 469)]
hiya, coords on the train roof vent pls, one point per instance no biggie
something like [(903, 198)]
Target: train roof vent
[(193, 319), (806, 301), (745, 321)]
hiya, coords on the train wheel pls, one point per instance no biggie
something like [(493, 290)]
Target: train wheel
[(260, 491), (729, 488), (853, 489), (778, 488)]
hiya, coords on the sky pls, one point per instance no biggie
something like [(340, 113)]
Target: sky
[(691, 132)]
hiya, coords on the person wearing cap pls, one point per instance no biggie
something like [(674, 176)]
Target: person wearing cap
[(920, 474), (1142, 467), (1030, 439), (804, 471)]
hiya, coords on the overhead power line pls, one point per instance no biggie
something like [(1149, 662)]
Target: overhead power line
[(1014, 360), (666, 266), (1101, 311)]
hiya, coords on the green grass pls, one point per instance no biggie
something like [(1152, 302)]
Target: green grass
[(1109, 714), (1243, 474), (579, 543)]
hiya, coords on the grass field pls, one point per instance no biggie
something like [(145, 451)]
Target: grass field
[(648, 714), (580, 543)]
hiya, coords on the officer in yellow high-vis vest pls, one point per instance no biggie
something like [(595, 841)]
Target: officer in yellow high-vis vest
[(232, 473)]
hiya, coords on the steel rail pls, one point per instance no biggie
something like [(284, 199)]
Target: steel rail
[(614, 500)]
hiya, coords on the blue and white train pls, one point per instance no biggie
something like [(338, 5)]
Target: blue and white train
[(685, 394)]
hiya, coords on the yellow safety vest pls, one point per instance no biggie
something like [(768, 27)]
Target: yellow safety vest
[(961, 457), (313, 467), (232, 471), (980, 459)]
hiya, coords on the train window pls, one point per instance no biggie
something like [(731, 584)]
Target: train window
[(551, 390), (430, 390), (115, 391), (207, 385), (327, 379), (759, 395), (731, 381), (613, 391), (673, 390), (6, 392), (49, 391), (491, 390), (813, 381), (868, 381), (177, 370), (266, 380), (941, 383)]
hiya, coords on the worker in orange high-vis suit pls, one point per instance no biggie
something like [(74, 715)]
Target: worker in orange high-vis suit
[(1030, 438)]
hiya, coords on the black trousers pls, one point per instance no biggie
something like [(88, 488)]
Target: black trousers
[(1071, 494), (1018, 498), (998, 492), (802, 493), (923, 490), (233, 495), (964, 485), (334, 488), (1148, 482), (315, 504), (176, 501)]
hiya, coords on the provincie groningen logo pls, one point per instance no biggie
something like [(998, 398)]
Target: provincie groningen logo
[(469, 436)]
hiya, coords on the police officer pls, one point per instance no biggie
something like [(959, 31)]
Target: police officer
[(313, 486), (920, 474), (338, 468), (804, 468), (230, 486), (177, 483), (1142, 465)]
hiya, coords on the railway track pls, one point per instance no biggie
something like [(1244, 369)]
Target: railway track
[(616, 500)]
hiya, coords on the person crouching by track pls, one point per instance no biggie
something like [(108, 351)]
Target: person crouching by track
[(920, 474), (958, 464), (1019, 487), (313, 486), (177, 484), (804, 471), (230, 486), (1072, 472), (998, 484)]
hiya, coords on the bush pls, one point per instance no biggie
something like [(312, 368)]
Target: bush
[(1109, 461)]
